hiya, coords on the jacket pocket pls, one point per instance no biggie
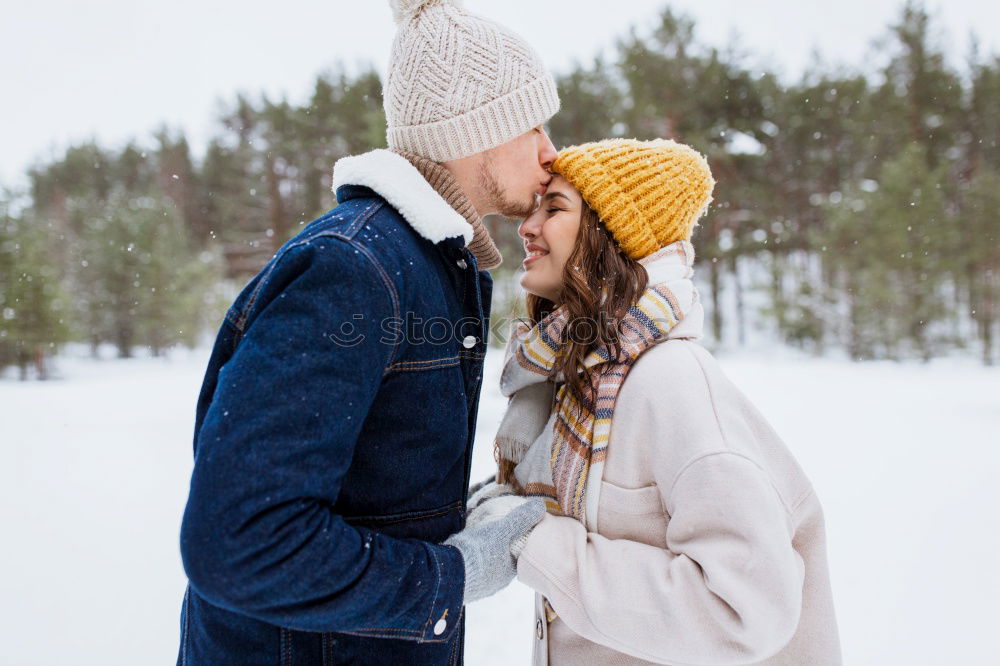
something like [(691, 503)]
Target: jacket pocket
[(435, 524), (636, 514)]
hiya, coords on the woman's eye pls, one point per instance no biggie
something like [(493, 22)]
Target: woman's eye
[(552, 210)]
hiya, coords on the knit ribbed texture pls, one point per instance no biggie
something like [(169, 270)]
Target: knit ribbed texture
[(647, 193), (482, 246), (486, 540), (459, 84)]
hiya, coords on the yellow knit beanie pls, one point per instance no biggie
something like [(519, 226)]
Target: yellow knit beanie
[(647, 193)]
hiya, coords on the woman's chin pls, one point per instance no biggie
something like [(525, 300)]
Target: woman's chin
[(534, 289), (526, 285)]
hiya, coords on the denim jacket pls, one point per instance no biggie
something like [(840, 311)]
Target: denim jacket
[(333, 438)]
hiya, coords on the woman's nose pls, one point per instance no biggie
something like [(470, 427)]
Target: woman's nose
[(526, 230)]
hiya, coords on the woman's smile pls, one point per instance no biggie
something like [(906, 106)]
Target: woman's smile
[(533, 252)]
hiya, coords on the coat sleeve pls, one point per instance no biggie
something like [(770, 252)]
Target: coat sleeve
[(260, 534), (727, 589)]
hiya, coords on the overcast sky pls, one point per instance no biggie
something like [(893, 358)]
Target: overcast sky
[(115, 69)]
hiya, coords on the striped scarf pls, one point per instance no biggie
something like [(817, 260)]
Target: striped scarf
[(559, 453)]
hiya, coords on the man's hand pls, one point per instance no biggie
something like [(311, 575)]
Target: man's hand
[(488, 542)]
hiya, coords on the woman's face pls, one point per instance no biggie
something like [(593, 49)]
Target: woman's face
[(549, 236)]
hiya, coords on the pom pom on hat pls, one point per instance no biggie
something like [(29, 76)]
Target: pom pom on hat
[(403, 10)]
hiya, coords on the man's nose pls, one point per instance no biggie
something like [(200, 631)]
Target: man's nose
[(546, 152)]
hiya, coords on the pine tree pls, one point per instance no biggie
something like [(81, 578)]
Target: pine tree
[(591, 105), (175, 283), (33, 321), (142, 280), (979, 253), (920, 97), (891, 243)]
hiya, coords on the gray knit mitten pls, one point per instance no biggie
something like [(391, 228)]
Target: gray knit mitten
[(486, 542)]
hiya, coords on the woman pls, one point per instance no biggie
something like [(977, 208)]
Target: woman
[(680, 529)]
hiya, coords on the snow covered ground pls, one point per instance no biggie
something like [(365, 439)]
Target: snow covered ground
[(905, 458)]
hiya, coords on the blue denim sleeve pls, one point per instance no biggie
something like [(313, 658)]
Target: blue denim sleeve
[(260, 535)]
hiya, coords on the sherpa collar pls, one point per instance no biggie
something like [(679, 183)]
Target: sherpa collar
[(397, 181)]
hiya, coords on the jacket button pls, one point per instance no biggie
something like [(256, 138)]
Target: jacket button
[(538, 629), (441, 625), (469, 342), (461, 263)]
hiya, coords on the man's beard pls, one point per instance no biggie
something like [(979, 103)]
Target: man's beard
[(499, 202)]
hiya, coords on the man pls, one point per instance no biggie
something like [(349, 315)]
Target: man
[(335, 423)]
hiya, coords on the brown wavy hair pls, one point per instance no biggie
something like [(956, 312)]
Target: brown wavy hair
[(596, 263)]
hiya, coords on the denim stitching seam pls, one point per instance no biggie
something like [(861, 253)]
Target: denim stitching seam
[(363, 216), (410, 515), (425, 365), (437, 588), (431, 364), (442, 512), (389, 287)]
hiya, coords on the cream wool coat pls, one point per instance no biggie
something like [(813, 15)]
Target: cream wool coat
[(710, 546)]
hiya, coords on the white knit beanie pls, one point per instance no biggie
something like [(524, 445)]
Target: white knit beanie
[(459, 84)]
